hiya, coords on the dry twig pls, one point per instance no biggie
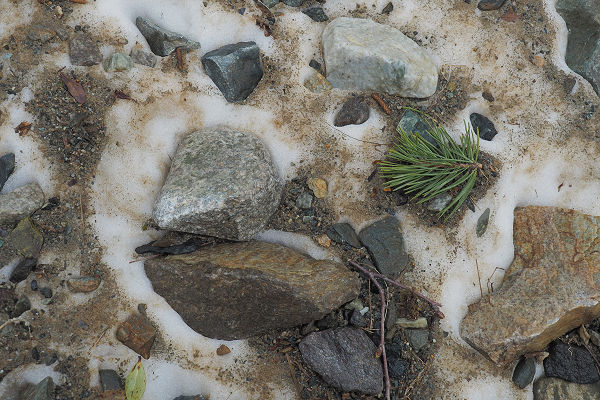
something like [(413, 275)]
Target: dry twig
[(381, 103)]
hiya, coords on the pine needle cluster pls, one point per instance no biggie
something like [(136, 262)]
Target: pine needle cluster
[(424, 170)]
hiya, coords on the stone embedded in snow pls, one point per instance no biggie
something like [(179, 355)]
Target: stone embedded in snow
[(483, 125), (163, 42), (239, 290), (385, 243), (42, 391), (524, 372), (488, 5), (570, 362), (354, 111), (317, 83), (345, 359), (20, 203), (316, 14), (84, 51), (139, 56), (7, 166), (118, 62), (412, 122), (222, 183), (557, 389), (550, 288), (137, 333), (343, 233), (235, 69), (363, 55), (110, 380)]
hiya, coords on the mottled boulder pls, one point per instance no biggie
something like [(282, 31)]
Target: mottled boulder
[(163, 42), (222, 183), (345, 359), (239, 290), (550, 288), (557, 389), (20, 203), (361, 54), (386, 244)]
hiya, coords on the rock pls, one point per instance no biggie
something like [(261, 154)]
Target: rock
[(343, 233), (486, 128), (84, 284), (595, 338), (20, 203), (487, 5), (22, 270), (315, 65), (238, 290), (324, 240), (482, 222), (235, 69), (487, 96), (397, 365), (118, 62), (412, 122), (385, 243), (345, 359), (223, 350), (110, 380), (316, 14), (139, 56), (524, 372), (419, 323), (84, 51), (159, 247), (557, 389), (270, 3), (571, 363), (7, 166), (583, 47), (358, 320), (418, 338), (439, 202), (360, 54), (293, 3), (196, 397), (354, 111), (46, 292), (22, 305), (138, 334), (318, 186), (26, 239), (550, 288), (304, 200), (388, 8), (317, 83), (163, 42), (41, 32), (222, 183), (42, 391), (34, 285)]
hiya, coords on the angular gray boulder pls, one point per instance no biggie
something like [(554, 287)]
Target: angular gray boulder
[(222, 183), (384, 240), (163, 42), (20, 203), (238, 290), (361, 54)]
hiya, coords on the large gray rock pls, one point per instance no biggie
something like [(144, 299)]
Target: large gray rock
[(557, 389), (7, 166), (385, 243), (239, 290), (345, 359), (42, 391), (361, 54), (222, 183), (583, 47), (163, 42), (20, 203)]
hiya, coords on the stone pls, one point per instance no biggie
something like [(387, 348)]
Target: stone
[(270, 3), (222, 183), (361, 54), (583, 46), (549, 289), (137, 333), (118, 62), (557, 389), (595, 337), (84, 51), (439, 202), (41, 32), (20, 203), (7, 166), (196, 397), (571, 363), (388, 8), (384, 241), (317, 83), (84, 284), (315, 65), (524, 372), (483, 125), (110, 380), (412, 122), (482, 223), (419, 323), (316, 14), (46, 292), (223, 350), (293, 3), (22, 305), (238, 290), (345, 359), (42, 391), (26, 239), (343, 233), (358, 320), (163, 42), (318, 186), (417, 338), (139, 56), (236, 69), (397, 365), (487, 5), (22, 270), (324, 240), (354, 111), (304, 200)]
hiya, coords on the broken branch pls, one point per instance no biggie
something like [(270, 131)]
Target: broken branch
[(381, 103)]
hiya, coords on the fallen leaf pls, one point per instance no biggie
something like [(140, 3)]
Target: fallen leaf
[(23, 128), (122, 95), (510, 15), (74, 88), (135, 384)]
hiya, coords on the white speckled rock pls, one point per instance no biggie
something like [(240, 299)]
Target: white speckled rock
[(363, 55), (20, 203), (222, 183)]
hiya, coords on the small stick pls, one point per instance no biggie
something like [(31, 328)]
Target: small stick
[(144, 258), (479, 278), (78, 1), (97, 340), (287, 356), (179, 58), (381, 103), (81, 211)]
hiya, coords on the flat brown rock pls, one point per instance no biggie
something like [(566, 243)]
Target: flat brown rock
[(239, 290), (137, 333), (551, 287)]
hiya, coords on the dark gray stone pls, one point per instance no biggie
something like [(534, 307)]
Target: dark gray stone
[(385, 243), (22, 270), (83, 50), (293, 3), (139, 56), (388, 8), (42, 391), (487, 5), (316, 65), (163, 42), (412, 122), (358, 320), (344, 233), (345, 359), (304, 200), (571, 363), (482, 223), (418, 338), (557, 389), (524, 372), (354, 111), (46, 292), (316, 14), (110, 380), (270, 3), (22, 305), (397, 365), (7, 166), (235, 69), (486, 128), (439, 202)]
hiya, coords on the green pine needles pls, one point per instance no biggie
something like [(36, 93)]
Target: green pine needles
[(424, 170)]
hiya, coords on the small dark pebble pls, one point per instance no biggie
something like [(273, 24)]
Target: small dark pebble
[(110, 380), (488, 5), (142, 308), (22, 270), (354, 111), (7, 166), (486, 128), (35, 354), (357, 319), (388, 8), (242, 10), (188, 246), (51, 359), (316, 14), (34, 285), (470, 204), (487, 96), (46, 292), (315, 64), (53, 202), (83, 325), (524, 372)]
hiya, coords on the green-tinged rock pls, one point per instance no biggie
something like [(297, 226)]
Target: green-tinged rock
[(419, 323), (118, 62), (42, 391), (317, 83), (524, 372), (26, 239), (163, 42), (557, 389), (418, 338), (412, 122), (482, 223)]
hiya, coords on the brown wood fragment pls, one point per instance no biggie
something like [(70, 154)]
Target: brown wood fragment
[(381, 103), (74, 88), (264, 25), (179, 56), (222, 350), (23, 128), (78, 1)]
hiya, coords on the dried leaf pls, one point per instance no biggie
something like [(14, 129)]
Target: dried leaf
[(135, 384), (74, 88), (23, 128), (379, 352), (122, 95)]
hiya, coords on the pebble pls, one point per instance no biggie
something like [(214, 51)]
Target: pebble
[(419, 323), (110, 380), (316, 65), (138, 334), (316, 14), (20, 203), (7, 166), (487, 131), (594, 337), (571, 363), (118, 62), (343, 233), (487, 5), (388, 8), (385, 243), (223, 350), (270, 3), (84, 284), (304, 200), (412, 122), (22, 305), (84, 51), (163, 42), (46, 292), (357, 319), (41, 33), (397, 365), (487, 96), (42, 391), (354, 111), (22, 270), (317, 83), (34, 285), (318, 186), (293, 3), (439, 202), (482, 223), (524, 372), (324, 240), (139, 56), (418, 338)]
